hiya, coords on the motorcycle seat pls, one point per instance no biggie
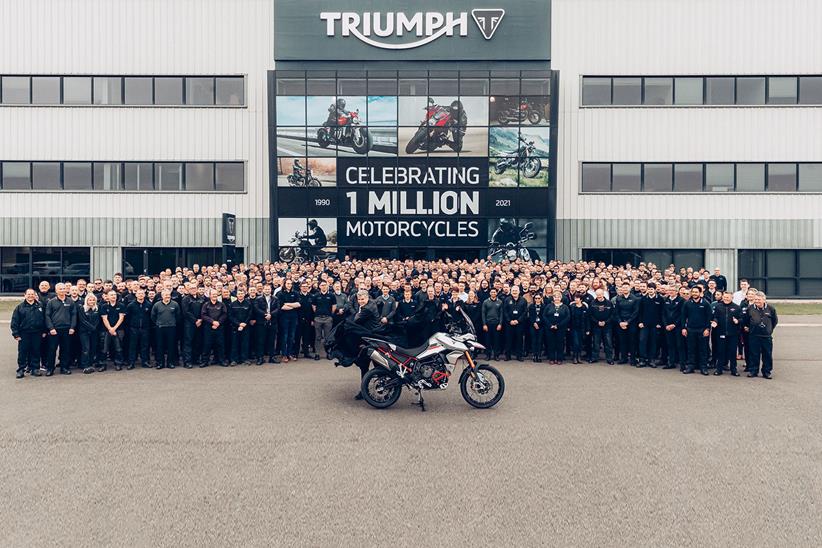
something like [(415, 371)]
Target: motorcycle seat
[(400, 349)]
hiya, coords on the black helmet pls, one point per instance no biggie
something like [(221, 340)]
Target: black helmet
[(296, 161), (456, 105), (340, 102), (312, 223), (506, 222)]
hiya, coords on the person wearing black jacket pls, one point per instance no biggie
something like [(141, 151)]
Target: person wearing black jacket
[(407, 306), (61, 321), (113, 316), (138, 320), (27, 324), (579, 324), (536, 324), (214, 315), (760, 323), (650, 325), (239, 317), (323, 304), (44, 295), (88, 329), (514, 316), (601, 312), (266, 308), (305, 323), (166, 316), (556, 316), (289, 313), (672, 322), (192, 306), (696, 327), (386, 306), (626, 311), (492, 322), (726, 323)]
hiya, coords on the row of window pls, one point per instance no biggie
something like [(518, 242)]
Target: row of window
[(122, 90), (701, 177), (153, 260), (783, 273), (693, 258), (24, 267), (699, 90), (124, 176)]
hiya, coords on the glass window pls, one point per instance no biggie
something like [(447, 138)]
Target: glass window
[(45, 175), (443, 86), (659, 91), (810, 90), (781, 263), (168, 91), (475, 86), (291, 86), (351, 84), (16, 176), (230, 91), (77, 90), (627, 91), (781, 287), (199, 91), (660, 258), (15, 90), (658, 177), (77, 176), (810, 264), (230, 176), (782, 90), (413, 86), (782, 177), (15, 269), (382, 86), (810, 178), (694, 258), (76, 262), (750, 177), (750, 91), (719, 91), (719, 177), (322, 86), (107, 176), (138, 91), (138, 176), (46, 264), (200, 176), (751, 264), (507, 86), (810, 288), (687, 177), (45, 90), (688, 91), (596, 91), (108, 90), (596, 177), (627, 177), (168, 176)]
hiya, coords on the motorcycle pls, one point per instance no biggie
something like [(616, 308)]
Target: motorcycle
[(430, 366), (521, 158), (512, 251), (303, 180), (519, 114), (299, 251), (347, 132), (440, 127)]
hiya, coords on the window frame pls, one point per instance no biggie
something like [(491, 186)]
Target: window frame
[(796, 279)]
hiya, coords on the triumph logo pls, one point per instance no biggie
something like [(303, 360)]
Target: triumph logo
[(427, 26)]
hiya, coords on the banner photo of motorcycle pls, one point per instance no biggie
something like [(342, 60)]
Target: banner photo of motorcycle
[(511, 239), (519, 156), (304, 239), (443, 126)]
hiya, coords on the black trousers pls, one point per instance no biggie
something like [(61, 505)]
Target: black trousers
[(675, 343), (697, 350), (724, 351), (265, 338), (761, 350), (88, 348), (239, 344), (192, 342), (537, 340), (628, 343), (648, 342), (555, 343), (492, 339), (213, 342), (601, 336), (514, 339), (304, 338), (166, 345), (138, 339), (28, 351), (63, 341)]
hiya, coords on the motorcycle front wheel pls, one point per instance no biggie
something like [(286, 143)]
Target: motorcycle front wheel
[(287, 254), (483, 392), (500, 167), (502, 118), (416, 141), (532, 167), (534, 117), (313, 181), (375, 391), (323, 137), (361, 140)]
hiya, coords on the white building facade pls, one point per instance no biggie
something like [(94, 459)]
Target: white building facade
[(684, 132)]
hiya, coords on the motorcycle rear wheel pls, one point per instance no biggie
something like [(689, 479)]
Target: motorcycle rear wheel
[(486, 394), (374, 391), (534, 117), (287, 254), (532, 167), (502, 118), (500, 167)]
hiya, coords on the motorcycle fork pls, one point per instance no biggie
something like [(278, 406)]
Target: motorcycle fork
[(473, 366)]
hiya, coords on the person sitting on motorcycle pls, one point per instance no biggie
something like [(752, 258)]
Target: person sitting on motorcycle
[(507, 233), (522, 151), (297, 170), (336, 111)]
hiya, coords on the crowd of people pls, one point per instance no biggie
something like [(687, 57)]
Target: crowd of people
[(646, 316)]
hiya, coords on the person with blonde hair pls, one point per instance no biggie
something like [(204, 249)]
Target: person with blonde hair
[(88, 330)]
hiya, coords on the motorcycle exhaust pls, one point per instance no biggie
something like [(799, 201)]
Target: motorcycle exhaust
[(376, 357)]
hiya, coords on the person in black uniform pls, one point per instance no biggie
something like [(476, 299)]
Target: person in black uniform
[(579, 325), (314, 239), (61, 321), (44, 295), (266, 308), (492, 322), (214, 315), (671, 320), (601, 312), (239, 317), (323, 304), (364, 322), (761, 322), (138, 319), (696, 327), (192, 306), (407, 306), (305, 322), (166, 315), (721, 281), (289, 312), (726, 323), (113, 316), (556, 315), (536, 327), (88, 330), (27, 324), (514, 316), (626, 311), (650, 325)]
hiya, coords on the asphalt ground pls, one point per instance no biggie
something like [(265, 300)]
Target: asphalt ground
[(574, 455)]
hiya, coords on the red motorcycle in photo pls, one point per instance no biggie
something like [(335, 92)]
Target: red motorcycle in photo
[(347, 132), (442, 126)]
